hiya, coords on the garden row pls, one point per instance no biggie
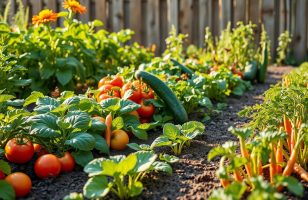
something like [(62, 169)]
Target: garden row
[(52, 111)]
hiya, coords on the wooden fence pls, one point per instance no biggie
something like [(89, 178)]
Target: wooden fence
[(152, 19)]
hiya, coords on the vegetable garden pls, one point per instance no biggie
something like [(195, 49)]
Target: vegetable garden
[(86, 114)]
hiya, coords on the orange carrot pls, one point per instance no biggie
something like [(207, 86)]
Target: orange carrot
[(290, 165), (108, 123), (301, 172), (273, 166), (288, 129), (224, 182), (279, 158), (260, 168), (237, 176), (245, 154)]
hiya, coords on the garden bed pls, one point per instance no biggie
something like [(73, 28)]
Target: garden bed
[(193, 177)]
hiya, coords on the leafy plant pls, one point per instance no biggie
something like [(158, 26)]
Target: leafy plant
[(282, 50), (121, 175), (177, 136)]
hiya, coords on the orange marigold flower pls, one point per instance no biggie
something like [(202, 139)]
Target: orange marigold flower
[(74, 6), (44, 16)]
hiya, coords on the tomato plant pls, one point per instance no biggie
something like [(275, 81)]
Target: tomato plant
[(47, 166), (67, 162), (19, 150), (21, 183), (119, 140), (132, 90)]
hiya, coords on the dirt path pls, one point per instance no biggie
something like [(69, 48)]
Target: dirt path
[(193, 177)]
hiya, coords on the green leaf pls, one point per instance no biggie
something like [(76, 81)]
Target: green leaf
[(81, 141), (111, 104), (192, 129), (101, 144), (171, 131), (94, 167), (110, 168), (117, 123), (206, 102), (161, 141), (34, 96), (291, 183), (217, 151), (134, 146), (44, 125), (136, 189), (5, 167), (97, 125), (127, 164), (22, 82), (127, 106), (141, 134), (96, 187), (6, 191), (64, 76), (163, 167), (168, 158), (5, 97), (144, 160), (82, 157), (73, 196), (240, 132), (78, 120)]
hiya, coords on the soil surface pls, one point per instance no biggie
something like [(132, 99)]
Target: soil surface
[(193, 176)]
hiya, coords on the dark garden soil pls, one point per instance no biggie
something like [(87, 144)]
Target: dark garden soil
[(193, 177)]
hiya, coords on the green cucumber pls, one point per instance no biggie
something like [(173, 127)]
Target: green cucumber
[(166, 94), (261, 75), (182, 67), (250, 71)]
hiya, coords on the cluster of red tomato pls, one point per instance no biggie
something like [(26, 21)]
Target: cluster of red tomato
[(115, 87), (47, 165)]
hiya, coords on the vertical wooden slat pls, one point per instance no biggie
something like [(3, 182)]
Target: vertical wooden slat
[(254, 16), (195, 22), (86, 16), (300, 36), (185, 18), (269, 21), (51, 4), (225, 12), (12, 11), (239, 11), (101, 11), (215, 18), (163, 24), (117, 21), (282, 16), (151, 22), (172, 13), (37, 6), (204, 19), (134, 18)]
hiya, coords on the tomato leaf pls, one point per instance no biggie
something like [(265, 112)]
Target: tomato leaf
[(78, 120), (163, 167), (117, 123), (82, 157), (94, 167), (81, 141), (44, 125), (171, 131), (101, 144), (6, 191), (144, 160), (127, 106)]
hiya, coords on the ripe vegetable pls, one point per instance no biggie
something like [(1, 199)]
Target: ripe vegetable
[(117, 81), (108, 128), (47, 166), (146, 92), (36, 147), (20, 182), (119, 140), (67, 162), (103, 81), (135, 89), (19, 150), (146, 111), (166, 94), (135, 113)]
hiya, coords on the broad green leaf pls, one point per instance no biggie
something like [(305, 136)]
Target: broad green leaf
[(127, 106), (5, 167), (96, 187), (22, 82), (5, 97), (144, 160), (141, 134), (6, 191), (111, 104), (291, 183), (78, 120), (134, 146), (168, 158), (163, 167), (94, 167), (74, 196), (136, 189), (47, 101), (81, 141), (101, 144), (216, 151), (117, 123), (192, 129), (34, 96), (44, 125), (206, 102), (171, 131), (64, 76), (82, 157), (110, 168), (240, 132), (161, 141), (127, 164)]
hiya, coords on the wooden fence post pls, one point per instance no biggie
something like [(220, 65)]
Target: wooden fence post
[(300, 32)]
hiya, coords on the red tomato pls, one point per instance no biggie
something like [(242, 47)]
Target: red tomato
[(119, 140), (117, 81), (20, 182), (135, 113), (110, 90), (135, 88), (146, 92), (146, 111), (67, 162), (103, 81), (17, 152), (36, 147), (2, 175), (47, 166)]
